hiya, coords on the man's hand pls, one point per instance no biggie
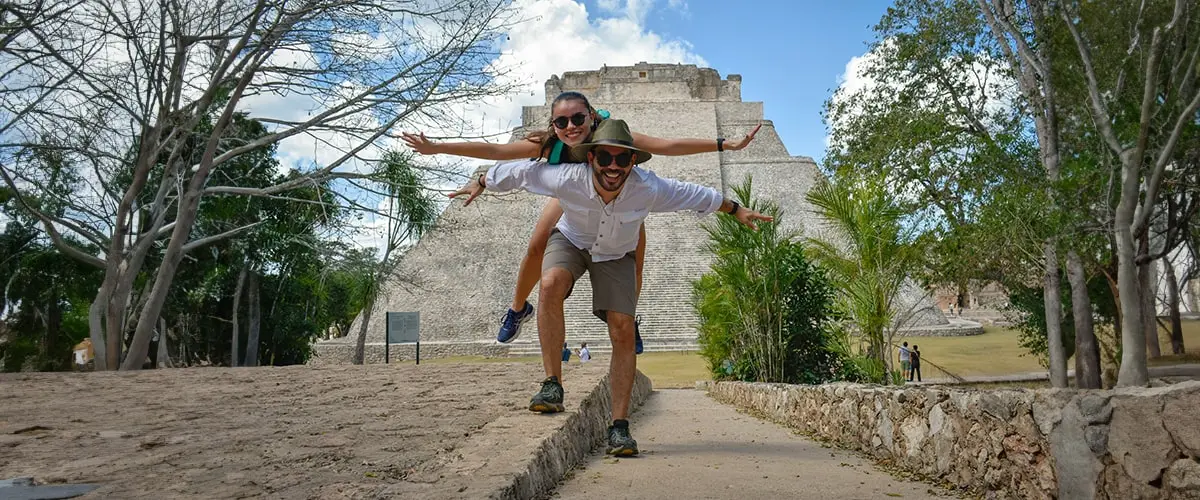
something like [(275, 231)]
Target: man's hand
[(472, 189), (420, 144), (748, 217), (737, 145)]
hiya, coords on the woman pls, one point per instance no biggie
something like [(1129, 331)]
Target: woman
[(572, 121)]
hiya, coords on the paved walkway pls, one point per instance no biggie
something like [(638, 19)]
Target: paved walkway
[(694, 447)]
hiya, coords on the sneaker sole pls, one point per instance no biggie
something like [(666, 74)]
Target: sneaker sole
[(546, 407), (623, 452)]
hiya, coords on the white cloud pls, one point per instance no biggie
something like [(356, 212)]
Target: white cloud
[(559, 36), (556, 36)]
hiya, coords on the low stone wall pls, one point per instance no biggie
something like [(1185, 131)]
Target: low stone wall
[(956, 328), (335, 353), (1051, 443)]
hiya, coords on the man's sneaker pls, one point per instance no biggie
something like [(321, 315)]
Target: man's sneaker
[(513, 320), (620, 443), (549, 399), (637, 335)]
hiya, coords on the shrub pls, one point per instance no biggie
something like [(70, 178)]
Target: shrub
[(765, 311)]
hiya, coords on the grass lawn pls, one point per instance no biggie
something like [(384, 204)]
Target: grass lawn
[(994, 353)]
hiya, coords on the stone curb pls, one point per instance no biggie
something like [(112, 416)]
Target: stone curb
[(524, 456), (570, 443)]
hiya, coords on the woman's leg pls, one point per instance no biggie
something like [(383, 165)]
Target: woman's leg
[(640, 257), (531, 265)]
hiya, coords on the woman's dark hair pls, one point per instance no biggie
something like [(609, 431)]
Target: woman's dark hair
[(544, 137)]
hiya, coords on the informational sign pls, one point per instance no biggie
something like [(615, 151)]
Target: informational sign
[(403, 327)]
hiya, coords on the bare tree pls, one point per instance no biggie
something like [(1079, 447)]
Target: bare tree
[(141, 96), (1155, 70), (1024, 38), (1170, 95)]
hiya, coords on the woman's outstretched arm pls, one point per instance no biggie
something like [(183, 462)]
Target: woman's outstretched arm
[(518, 150)]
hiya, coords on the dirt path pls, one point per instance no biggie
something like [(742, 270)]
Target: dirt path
[(694, 447), (293, 432)]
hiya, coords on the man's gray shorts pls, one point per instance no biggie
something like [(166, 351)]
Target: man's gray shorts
[(614, 282)]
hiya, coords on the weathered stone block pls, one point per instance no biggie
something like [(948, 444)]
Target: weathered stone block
[(1181, 416), (1137, 439), (1183, 479)]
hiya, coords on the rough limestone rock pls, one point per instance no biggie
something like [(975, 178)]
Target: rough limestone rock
[(1076, 466), (1183, 478), (1179, 419), (1137, 439), (1051, 443)]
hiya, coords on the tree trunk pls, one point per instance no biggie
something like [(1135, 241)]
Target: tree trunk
[(1149, 311), (237, 302), (1133, 346), (1173, 307), (164, 356), (360, 345), (53, 332), (1087, 351), (1053, 304), (255, 320), (96, 332)]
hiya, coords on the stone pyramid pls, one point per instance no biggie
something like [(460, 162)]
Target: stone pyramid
[(460, 277)]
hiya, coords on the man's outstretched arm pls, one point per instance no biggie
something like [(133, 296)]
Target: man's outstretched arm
[(524, 174), (679, 196)]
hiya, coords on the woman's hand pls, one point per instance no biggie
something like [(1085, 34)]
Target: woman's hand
[(737, 145), (420, 144)]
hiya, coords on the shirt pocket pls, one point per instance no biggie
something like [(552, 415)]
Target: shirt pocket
[(629, 226)]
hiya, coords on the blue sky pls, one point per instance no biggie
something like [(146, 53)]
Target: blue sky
[(789, 53)]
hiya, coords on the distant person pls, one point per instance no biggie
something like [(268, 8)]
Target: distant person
[(584, 354), (566, 353), (905, 360), (916, 364)]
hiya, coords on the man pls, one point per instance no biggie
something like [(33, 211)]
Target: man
[(905, 360), (566, 354), (584, 354), (604, 203)]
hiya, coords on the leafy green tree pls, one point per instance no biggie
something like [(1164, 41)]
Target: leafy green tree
[(869, 254), (766, 312)]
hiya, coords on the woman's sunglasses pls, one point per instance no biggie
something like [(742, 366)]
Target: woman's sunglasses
[(576, 119), (604, 159)]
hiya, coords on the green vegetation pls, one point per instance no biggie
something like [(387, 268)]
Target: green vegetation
[(765, 312)]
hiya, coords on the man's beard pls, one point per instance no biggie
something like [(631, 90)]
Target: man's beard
[(609, 184)]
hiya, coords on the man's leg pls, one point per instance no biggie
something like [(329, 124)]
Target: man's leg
[(614, 299), (623, 365), (562, 265), (552, 326)]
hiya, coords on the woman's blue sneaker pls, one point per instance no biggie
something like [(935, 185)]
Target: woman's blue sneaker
[(513, 320)]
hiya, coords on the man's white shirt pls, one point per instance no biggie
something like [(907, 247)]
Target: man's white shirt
[(610, 231)]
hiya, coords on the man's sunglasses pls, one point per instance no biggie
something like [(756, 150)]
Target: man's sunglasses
[(576, 119), (604, 158)]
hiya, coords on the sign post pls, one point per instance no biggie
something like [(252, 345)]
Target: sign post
[(402, 328)]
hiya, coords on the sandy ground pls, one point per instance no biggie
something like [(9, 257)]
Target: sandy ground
[(293, 432)]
